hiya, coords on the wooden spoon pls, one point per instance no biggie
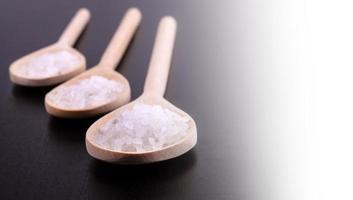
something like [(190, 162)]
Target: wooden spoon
[(65, 42), (105, 68), (154, 89)]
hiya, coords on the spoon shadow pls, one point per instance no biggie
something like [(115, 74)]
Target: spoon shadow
[(81, 40), (123, 176), (127, 66), (122, 65), (69, 130), (31, 95)]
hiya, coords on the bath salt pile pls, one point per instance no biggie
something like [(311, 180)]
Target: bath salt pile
[(143, 128), (89, 92), (50, 64)]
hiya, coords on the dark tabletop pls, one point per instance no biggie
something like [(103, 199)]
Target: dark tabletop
[(212, 78)]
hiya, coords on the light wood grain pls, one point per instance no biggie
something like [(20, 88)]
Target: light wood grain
[(75, 27), (158, 70), (121, 39)]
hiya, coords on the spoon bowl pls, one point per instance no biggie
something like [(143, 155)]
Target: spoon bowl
[(124, 95), (154, 89), (65, 43), (19, 78), (165, 153)]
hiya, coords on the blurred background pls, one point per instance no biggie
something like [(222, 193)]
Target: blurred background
[(269, 84)]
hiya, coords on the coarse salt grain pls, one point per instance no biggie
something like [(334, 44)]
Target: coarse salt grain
[(90, 92), (49, 64), (143, 128)]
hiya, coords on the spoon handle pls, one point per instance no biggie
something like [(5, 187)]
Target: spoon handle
[(121, 39), (75, 27), (158, 70)]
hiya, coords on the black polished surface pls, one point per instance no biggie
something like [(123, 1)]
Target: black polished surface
[(215, 77)]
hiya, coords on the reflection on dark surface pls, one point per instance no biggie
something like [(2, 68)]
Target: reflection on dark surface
[(161, 171), (127, 179)]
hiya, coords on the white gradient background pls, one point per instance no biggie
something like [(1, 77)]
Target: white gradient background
[(296, 64)]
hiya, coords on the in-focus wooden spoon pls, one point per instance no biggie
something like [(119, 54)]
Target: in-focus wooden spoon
[(154, 89), (105, 68), (65, 42)]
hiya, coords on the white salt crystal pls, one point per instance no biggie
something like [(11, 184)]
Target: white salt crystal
[(143, 128), (90, 92), (49, 64)]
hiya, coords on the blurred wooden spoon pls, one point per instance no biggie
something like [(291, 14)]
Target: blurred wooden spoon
[(65, 43)]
